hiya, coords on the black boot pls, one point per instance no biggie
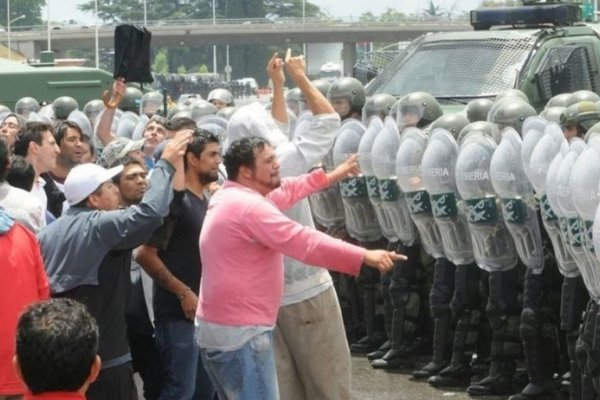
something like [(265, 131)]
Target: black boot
[(499, 380), (441, 336), (380, 352), (394, 357), (539, 355), (372, 340), (459, 373)]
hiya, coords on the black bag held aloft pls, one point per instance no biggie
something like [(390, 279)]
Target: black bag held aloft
[(132, 54)]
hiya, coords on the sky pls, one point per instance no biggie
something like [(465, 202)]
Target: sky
[(61, 10)]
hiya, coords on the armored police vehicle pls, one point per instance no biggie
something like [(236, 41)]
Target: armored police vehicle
[(46, 82), (541, 49)]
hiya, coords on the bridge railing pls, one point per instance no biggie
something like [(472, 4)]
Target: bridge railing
[(345, 21)]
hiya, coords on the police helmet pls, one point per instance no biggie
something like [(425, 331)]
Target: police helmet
[(223, 95), (581, 95), (350, 89), (583, 115), (25, 105), (131, 100), (63, 106), (453, 123), (421, 104), (512, 114), (379, 104), (477, 110)]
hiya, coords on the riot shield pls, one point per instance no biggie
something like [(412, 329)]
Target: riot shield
[(82, 122), (493, 247), (408, 171), (585, 178), (361, 221), (540, 161), (326, 205), (561, 201), (437, 171), (366, 167), (394, 206), (517, 199), (533, 131)]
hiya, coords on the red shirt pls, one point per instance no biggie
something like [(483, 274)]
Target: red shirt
[(23, 282), (54, 396)]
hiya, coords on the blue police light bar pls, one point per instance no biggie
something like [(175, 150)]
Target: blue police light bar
[(555, 14)]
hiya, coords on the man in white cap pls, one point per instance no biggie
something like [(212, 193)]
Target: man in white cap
[(312, 362), (87, 253)]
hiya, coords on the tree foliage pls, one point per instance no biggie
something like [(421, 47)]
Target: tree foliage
[(433, 10), (32, 9)]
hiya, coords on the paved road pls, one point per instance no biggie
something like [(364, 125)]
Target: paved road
[(372, 384)]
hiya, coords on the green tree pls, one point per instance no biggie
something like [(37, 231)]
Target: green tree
[(161, 62), (433, 10), (392, 15), (32, 9)]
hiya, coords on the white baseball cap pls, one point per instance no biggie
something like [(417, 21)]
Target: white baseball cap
[(84, 179)]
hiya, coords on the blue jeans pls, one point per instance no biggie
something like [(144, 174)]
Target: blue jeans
[(244, 374), (184, 375)]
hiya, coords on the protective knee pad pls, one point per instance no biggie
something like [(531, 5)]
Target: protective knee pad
[(399, 291), (412, 310), (530, 325), (368, 278)]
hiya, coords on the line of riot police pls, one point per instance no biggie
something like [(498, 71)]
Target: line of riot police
[(495, 207)]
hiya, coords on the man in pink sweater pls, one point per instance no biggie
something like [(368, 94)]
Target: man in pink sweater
[(242, 244)]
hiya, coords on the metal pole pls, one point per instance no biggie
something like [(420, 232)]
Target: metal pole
[(8, 27), (145, 13), (304, 23), (214, 10), (48, 21), (96, 33)]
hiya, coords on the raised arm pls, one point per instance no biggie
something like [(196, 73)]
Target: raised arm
[(275, 72), (296, 68), (103, 129)]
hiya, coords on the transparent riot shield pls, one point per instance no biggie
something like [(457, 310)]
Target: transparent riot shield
[(361, 221), (540, 162), (533, 131), (493, 246), (437, 171), (326, 205), (366, 168), (585, 178), (408, 171), (568, 218), (517, 199), (394, 205)]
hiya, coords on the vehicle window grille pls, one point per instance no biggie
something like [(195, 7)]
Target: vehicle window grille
[(563, 70)]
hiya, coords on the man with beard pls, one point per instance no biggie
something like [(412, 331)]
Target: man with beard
[(171, 257), (69, 138)]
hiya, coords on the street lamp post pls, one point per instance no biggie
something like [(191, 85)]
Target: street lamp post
[(214, 10), (8, 22), (97, 52)]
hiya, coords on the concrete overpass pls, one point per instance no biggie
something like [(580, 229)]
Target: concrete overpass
[(204, 32)]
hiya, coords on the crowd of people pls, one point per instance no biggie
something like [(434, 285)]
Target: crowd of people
[(192, 245)]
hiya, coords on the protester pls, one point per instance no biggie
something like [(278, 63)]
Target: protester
[(94, 230), (57, 346), (23, 282), (242, 244)]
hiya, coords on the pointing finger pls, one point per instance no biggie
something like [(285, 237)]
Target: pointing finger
[(398, 257)]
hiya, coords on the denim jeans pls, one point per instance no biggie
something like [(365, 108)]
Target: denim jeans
[(184, 375), (244, 374)]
